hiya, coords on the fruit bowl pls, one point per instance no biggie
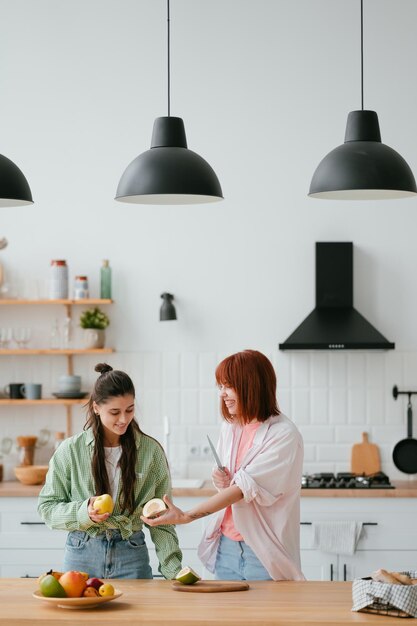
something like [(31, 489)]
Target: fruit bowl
[(31, 474), (77, 603)]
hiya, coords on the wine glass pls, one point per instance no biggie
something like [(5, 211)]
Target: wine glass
[(5, 337), (22, 336)]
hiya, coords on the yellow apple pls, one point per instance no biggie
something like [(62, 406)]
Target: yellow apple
[(106, 590), (103, 504)]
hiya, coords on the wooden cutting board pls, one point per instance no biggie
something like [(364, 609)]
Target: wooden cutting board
[(365, 457), (211, 586)]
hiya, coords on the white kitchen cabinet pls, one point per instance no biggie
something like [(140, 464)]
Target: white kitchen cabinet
[(387, 540), (27, 546)]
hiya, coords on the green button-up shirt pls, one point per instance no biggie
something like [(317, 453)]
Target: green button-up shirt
[(69, 484)]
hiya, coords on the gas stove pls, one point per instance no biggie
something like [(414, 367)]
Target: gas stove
[(346, 480)]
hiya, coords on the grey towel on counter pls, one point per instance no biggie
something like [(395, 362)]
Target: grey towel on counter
[(338, 537)]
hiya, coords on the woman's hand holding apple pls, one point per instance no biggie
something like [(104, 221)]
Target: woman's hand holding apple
[(93, 513)]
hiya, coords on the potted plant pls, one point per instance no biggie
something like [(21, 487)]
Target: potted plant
[(94, 322)]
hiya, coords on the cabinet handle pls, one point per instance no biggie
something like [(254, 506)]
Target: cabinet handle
[(344, 572), (32, 523), (364, 524), (331, 571)]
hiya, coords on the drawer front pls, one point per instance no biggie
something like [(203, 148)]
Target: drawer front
[(391, 520), (29, 563), (25, 529)]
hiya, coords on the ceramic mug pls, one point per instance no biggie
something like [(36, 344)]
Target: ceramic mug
[(14, 391), (31, 391)]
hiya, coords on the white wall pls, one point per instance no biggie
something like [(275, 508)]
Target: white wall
[(264, 89)]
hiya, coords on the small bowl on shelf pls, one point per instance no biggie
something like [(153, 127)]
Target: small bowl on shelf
[(31, 474)]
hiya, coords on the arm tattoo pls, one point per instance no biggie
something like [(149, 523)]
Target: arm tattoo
[(198, 515)]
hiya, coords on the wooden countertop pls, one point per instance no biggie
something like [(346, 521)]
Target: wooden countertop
[(404, 489), (155, 603)]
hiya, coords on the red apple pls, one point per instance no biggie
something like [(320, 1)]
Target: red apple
[(94, 582)]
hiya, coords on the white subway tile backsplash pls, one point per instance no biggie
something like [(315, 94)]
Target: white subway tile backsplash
[(189, 369), (300, 403), (171, 370), (337, 369), (310, 453), (207, 367), (357, 405), (189, 407), (209, 406), (375, 408), (319, 369), (340, 453), (375, 370), (152, 370), (337, 406), (317, 434), (300, 369), (356, 368), (319, 406), (282, 364)]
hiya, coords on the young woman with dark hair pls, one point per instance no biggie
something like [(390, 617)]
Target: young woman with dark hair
[(256, 534), (112, 455)]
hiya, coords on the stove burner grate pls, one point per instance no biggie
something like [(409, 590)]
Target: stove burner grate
[(345, 480)]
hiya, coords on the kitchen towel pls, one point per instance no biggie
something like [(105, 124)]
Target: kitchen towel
[(338, 537)]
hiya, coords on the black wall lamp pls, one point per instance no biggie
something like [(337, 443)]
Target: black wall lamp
[(167, 311), (362, 168), (169, 173)]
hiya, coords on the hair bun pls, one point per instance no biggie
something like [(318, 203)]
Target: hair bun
[(103, 368)]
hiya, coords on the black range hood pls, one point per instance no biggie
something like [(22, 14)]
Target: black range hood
[(334, 324)]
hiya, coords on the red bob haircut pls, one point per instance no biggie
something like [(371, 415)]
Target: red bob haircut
[(252, 376)]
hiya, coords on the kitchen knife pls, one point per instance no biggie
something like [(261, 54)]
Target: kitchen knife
[(216, 456)]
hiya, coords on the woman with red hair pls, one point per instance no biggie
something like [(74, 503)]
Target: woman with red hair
[(255, 534)]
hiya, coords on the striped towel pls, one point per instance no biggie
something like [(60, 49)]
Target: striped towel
[(336, 537)]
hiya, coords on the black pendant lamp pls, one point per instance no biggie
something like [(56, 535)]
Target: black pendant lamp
[(362, 168), (14, 188), (169, 173)]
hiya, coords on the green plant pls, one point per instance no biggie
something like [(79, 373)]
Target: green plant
[(94, 318)]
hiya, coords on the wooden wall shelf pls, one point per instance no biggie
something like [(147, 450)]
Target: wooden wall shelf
[(69, 353)]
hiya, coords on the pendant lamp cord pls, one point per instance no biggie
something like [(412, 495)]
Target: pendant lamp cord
[(169, 59), (361, 53)]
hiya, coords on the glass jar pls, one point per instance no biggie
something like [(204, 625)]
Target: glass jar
[(81, 291), (58, 280)]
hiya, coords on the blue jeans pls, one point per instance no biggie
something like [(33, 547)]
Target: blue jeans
[(108, 555), (236, 561)]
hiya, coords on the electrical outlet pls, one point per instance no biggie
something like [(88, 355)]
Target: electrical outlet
[(206, 452), (194, 451)]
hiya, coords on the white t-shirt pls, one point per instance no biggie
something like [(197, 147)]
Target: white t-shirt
[(113, 468)]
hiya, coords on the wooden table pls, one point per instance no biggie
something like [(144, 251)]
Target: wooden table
[(155, 603)]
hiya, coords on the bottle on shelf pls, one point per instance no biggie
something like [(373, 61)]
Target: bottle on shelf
[(55, 338), (58, 280), (67, 333), (105, 280)]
